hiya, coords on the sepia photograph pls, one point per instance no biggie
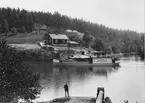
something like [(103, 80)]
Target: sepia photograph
[(72, 51)]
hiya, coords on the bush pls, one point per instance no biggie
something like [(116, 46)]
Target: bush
[(16, 80), (14, 31)]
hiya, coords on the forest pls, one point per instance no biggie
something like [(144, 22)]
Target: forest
[(96, 35)]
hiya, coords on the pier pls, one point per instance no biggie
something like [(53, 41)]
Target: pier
[(100, 95)]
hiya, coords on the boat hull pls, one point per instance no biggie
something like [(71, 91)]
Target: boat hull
[(84, 64)]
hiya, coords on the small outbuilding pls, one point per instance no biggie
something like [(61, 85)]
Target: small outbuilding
[(73, 44)]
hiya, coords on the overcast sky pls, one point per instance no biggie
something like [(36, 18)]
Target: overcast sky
[(121, 14)]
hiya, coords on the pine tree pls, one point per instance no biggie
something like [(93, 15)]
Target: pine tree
[(6, 28)]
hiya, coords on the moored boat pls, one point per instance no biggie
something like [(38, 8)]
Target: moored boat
[(86, 60)]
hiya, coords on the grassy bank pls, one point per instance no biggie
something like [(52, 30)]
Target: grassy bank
[(22, 38), (26, 46)]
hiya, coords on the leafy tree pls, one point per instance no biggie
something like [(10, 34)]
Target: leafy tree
[(0, 28), (16, 79), (98, 45), (141, 47), (14, 31), (23, 29), (88, 39)]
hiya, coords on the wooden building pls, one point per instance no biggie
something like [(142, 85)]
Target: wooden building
[(57, 40), (73, 44)]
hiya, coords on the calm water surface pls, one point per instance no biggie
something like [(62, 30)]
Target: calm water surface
[(123, 83)]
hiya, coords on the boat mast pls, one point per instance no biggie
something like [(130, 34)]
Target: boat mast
[(144, 46), (68, 49)]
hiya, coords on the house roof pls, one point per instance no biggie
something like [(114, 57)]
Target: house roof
[(58, 36), (80, 56)]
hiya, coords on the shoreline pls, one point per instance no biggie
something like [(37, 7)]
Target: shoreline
[(71, 100)]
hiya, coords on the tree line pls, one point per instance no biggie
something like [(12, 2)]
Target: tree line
[(104, 38)]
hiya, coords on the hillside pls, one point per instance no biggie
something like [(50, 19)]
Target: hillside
[(104, 38)]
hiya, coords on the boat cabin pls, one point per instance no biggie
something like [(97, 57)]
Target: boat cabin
[(101, 54)]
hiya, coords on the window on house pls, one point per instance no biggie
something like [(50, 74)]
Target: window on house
[(56, 41), (64, 41), (49, 41)]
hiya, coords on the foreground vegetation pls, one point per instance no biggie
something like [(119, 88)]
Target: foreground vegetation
[(16, 79)]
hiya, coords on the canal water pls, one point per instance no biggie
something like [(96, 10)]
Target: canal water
[(121, 83)]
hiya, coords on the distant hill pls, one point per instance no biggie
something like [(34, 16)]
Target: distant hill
[(109, 38)]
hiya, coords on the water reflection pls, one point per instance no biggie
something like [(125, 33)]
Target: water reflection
[(65, 74), (124, 82), (47, 71), (57, 76), (104, 71)]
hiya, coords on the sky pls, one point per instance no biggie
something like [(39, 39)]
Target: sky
[(118, 14)]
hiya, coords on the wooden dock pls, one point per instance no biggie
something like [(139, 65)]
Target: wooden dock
[(100, 95)]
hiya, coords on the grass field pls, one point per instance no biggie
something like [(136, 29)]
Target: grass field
[(25, 46), (25, 38)]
